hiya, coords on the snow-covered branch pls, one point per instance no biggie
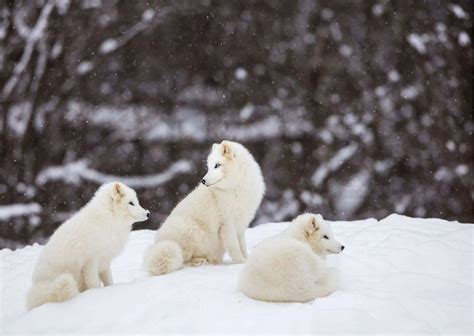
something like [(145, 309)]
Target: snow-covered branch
[(74, 172), (33, 37), (17, 210), (111, 44), (20, 26), (336, 161), (149, 18)]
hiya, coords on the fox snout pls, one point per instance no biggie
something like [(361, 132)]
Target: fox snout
[(341, 248)]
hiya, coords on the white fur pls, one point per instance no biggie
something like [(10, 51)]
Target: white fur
[(290, 267), (212, 219), (79, 253)]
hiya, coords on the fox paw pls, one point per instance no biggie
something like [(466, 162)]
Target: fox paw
[(198, 261)]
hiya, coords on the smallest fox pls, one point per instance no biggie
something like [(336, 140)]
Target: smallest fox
[(290, 266)]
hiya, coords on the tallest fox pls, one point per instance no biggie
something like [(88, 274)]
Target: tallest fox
[(213, 218)]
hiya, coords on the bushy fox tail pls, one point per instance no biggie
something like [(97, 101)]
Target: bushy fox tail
[(163, 257), (62, 288)]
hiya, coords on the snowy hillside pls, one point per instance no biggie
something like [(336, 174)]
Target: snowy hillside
[(398, 275)]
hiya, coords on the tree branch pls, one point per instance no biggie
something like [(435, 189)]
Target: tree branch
[(31, 41)]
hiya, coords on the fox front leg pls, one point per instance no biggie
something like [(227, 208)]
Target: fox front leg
[(90, 273), (242, 243), (106, 277), (230, 240)]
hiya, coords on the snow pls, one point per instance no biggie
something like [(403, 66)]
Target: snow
[(89, 4), (185, 123), (410, 92), (241, 73), (108, 46), (63, 6), (327, 14), (148, 15), (451, 146), (398, 275), (311, 199), (462, 169), (334, 163), (446, 174), (443, 174), (463, 39), (74, 172), (394, 76), (247, 111), (18, 118), (198, 93), (383, 166), (378, 9), (345, 50), (267, 128), (17, 210), (84, 67), (458, 11), (286, 207), (33, 36), (335, 30), (349, 197), (441, 30), (418, 42), (402, 204)]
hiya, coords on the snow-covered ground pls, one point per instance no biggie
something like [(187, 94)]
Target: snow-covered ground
[(399, 275)]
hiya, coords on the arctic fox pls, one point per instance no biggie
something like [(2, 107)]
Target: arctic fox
[(79, 253), (289, 267), (212, 219)]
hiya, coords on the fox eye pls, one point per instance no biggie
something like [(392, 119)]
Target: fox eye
[(325, 237), (131, 203), (217, 165)]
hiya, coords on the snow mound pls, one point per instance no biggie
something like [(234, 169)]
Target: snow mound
[(398, 275)]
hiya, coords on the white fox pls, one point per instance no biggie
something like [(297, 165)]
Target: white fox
[(79, 253), (213, 218)]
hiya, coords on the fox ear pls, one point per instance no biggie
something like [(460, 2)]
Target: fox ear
[(214, 146), (117, 191), (311, 227), (227, 150)]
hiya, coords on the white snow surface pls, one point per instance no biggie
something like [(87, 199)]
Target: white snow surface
[(398, 275)]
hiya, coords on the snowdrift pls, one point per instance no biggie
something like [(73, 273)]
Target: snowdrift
[(399, 275)]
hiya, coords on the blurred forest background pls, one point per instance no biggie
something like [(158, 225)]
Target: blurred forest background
[(353, 109)]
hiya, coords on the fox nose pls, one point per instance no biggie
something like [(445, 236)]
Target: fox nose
[(147, 213), (203, 181), (342, 248)]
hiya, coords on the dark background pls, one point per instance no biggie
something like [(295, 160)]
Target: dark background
[(353, 109)]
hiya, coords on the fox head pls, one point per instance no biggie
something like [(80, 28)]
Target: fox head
[(124, 202), (316, 232), (222, 165)]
